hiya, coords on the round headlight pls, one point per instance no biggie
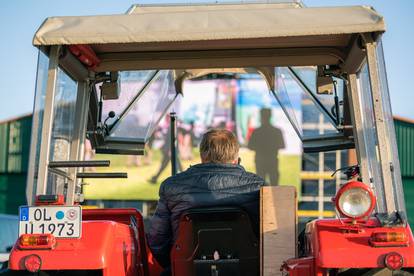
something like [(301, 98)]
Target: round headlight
[(355, 200)]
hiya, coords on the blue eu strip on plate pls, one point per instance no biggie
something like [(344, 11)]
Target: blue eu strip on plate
[(24, 214)]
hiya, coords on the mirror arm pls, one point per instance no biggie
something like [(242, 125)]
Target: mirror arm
[(336, 99), (102, 175)]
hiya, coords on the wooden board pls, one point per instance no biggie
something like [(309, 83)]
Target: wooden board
[(278, 224)]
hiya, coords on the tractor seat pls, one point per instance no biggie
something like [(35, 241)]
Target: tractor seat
[(215, 242)]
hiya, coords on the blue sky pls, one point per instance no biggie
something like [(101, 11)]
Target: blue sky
[(20, 19)]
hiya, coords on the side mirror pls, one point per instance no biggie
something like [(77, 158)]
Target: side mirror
[(110, 89), (324, 84)]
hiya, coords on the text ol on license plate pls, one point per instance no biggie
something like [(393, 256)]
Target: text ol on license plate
[(60, 221)]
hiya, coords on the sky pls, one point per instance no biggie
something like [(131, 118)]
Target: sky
[(19, 20)]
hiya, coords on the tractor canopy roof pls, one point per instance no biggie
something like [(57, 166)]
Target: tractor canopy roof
[(316, 35)]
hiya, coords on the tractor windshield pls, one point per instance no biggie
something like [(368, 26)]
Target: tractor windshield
[(146, 96), (295, 90)]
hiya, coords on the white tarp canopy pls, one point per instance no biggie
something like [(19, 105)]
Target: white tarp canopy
[(234, 22)]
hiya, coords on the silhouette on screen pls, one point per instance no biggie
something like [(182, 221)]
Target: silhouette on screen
[(266, 141)]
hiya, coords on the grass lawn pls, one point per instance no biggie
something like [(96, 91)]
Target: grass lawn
[(137, 186)]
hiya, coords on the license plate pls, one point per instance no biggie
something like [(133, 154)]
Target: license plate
[(60, 221)]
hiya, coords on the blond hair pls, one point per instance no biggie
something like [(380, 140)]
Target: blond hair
[(219, 146)]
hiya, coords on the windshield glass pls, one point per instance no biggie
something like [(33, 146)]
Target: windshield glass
[(306, 111), (63, 124), (386, 104), (369, 153), (132, 83), (38, 110), (306, 76), (145, 97), (62, 129)]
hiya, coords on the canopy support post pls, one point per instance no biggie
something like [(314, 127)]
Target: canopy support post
[(356, 117), (77, 145)]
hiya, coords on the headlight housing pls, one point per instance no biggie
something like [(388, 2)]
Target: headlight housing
[(355, 200)]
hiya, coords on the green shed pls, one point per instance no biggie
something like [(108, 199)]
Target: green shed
[(14, 159), (404, 129)]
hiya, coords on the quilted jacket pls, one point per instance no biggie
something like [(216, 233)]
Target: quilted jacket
[(202, 185)]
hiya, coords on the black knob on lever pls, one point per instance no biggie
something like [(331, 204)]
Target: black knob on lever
[(111, 115)]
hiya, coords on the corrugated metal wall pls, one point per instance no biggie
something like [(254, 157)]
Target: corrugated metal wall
[(405, 139), (14, 158), (4, 136)]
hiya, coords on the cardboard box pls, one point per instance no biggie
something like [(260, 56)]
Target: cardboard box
[(278, 228)]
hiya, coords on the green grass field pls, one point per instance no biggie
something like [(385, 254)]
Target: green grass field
[(137, 186)]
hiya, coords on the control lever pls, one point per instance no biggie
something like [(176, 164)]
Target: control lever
[(54, 166), (111, 115), (102, 175), (79, 164)]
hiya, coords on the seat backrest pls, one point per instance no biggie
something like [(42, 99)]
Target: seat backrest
[(215, 241)]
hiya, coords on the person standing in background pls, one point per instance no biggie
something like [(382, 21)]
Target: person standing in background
[(266, 141)]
